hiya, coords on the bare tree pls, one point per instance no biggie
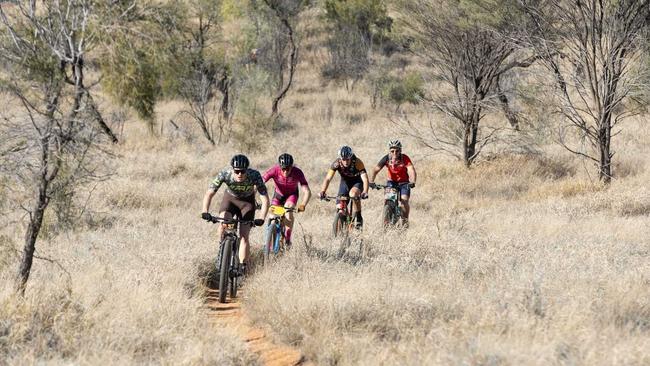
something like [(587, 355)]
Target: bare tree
[(55, 141), (591, 48), (468, 55), (286, 47), (202, 71)]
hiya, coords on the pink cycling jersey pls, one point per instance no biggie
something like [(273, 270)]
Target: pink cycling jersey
[(286, 186)]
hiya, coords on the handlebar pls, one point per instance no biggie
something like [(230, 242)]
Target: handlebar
[(224, 220), (281, 210), (340, 198), (382, 186)]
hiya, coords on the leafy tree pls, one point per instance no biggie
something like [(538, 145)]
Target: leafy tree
[(354, 26), (136, 44)]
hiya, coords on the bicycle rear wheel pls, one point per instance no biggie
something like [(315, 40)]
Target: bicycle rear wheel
[(224, 274)]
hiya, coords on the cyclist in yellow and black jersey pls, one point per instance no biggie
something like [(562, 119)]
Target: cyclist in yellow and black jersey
[(354, 180), (239, 199)]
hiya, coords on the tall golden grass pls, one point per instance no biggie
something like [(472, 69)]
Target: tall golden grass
[(523, 259)]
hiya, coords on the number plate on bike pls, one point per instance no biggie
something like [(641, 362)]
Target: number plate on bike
[(390, 194), (278, 210)]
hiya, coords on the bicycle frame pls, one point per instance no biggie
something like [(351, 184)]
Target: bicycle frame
[(344, 212), (273, 243), (392, 202), (229, 266)]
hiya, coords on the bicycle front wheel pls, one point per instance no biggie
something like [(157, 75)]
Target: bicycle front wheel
[(268, 245), (338, 227), (234, 280), (224, 274), (388, 214)]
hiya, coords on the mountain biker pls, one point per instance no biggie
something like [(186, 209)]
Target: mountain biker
[(287, 177), (354, 180), (400, 170), (239, 198)]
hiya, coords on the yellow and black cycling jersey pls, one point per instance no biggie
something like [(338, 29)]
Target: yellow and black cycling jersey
[(355, 169), (245, 188)]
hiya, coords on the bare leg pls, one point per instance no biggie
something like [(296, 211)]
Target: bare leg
[(288, 221), (405, 207), (220, 228), (356, 205), (244, 249)]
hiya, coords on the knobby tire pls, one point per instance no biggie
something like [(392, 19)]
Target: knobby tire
[(389, 214), (337, 225), (235, 266), (224, 273), (268, 245)]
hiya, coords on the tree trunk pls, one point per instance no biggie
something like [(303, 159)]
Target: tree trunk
[(35, 222), (293, 60), (604, 140), (505, 105), (469, 143)]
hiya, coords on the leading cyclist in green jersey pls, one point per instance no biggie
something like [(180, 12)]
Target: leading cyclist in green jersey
[(239, 198)]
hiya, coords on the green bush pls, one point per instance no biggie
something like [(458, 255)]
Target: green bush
[(398, 90), (370, 17)]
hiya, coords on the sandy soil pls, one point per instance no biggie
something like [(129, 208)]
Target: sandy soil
[(231, 315)]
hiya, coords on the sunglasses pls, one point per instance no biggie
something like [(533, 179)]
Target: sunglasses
[(237, 171), (393, 151), (286, 168)]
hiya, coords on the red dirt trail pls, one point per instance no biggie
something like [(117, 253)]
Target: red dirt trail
[(231, 315)]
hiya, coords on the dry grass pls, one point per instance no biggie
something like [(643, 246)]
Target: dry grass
[(524, 259)]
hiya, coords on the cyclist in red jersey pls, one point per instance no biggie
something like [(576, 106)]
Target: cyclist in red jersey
[(400, 170)]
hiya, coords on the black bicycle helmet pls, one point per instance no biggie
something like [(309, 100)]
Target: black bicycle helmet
[(285, 160), (239, 161), (345, 152)]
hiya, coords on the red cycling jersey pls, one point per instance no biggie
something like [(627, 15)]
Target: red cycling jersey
[(396, 168)]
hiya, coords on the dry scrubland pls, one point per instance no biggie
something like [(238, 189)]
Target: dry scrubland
[(523, 259)]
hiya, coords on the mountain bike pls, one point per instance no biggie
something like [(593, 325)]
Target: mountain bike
[(391, 213), (275, 240), (344, 222), (228, 265)]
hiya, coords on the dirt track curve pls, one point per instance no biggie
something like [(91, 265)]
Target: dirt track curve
[(230, 314)]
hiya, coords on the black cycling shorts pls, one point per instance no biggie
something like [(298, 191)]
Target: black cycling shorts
[(242, 207), (347, 184)]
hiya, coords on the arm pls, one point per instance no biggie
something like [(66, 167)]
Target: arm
[(212, 190), (364, 179), (373, 175), (412, 174), (207, 198), (268, 174), (261, 189), (380, 165), (306, 194), (265, 204), (328, 179)]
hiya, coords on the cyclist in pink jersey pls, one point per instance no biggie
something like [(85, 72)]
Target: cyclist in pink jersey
[(287, 178)]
